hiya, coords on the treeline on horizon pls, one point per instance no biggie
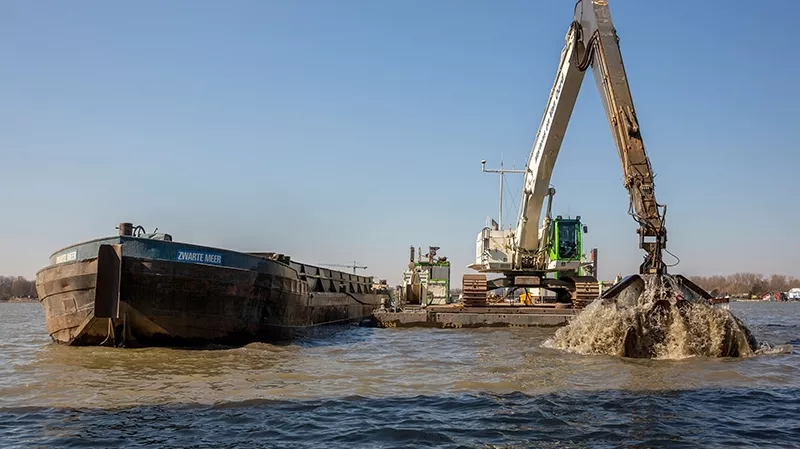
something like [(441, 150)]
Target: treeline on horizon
[(746, 283), (16, 287)]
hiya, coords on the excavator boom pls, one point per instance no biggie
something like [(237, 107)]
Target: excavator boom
[(545, 149)]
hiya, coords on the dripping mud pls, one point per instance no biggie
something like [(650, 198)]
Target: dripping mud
[(657, 317)]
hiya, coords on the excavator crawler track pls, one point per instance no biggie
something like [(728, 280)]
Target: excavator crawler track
[(474, 290), (587, 289)]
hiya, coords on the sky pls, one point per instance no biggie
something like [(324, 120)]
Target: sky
[(348, 131)]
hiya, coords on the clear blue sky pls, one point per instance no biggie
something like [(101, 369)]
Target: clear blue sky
[(350, 130)]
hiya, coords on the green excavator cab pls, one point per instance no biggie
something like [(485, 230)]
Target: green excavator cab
[(566, 239)]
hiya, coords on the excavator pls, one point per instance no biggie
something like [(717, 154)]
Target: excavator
[(561, 243), (523, 256)]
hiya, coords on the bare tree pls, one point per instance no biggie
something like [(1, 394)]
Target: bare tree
[(11, 287), (778, 283), (5, 288), (746, 283)]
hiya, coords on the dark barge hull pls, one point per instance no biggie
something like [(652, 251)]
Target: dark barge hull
[(134, 291)]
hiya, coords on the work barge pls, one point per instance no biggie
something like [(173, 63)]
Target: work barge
[(459, 316), (413, 304), (468, 314), (137, 289)]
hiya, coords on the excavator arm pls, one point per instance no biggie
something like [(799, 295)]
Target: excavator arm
[(591, 41), (600, 50)]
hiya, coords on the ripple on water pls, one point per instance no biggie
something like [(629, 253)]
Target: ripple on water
[(606, 418)]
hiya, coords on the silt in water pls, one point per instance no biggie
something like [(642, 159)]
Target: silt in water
[(650, 320)]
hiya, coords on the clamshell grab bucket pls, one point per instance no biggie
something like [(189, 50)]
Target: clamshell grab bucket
[(668, 294)]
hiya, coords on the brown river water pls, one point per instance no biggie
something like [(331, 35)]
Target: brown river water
[(365, 387)]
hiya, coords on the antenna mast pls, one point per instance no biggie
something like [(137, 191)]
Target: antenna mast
[(502, 171)]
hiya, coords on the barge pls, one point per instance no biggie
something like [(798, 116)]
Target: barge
[(136, 289)]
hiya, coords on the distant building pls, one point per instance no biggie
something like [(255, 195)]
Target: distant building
[(774, 296)]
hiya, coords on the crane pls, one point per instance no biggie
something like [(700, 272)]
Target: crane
[(524, 255), (354, 266)]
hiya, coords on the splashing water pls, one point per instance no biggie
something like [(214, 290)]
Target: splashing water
[(652, 319)]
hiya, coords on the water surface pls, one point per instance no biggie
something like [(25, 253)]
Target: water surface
[(366, 387)]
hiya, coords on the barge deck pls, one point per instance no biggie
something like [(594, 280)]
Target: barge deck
[(458, 316)]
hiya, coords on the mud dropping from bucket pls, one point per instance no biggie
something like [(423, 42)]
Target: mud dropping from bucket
[(649, 320)]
